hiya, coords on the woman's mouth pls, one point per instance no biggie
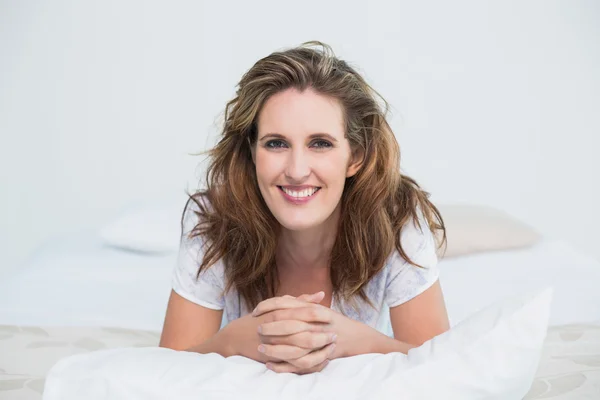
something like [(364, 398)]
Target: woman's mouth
[(299, 196)]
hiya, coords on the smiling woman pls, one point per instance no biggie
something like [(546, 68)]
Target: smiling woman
[(307, 232), (302, 161)]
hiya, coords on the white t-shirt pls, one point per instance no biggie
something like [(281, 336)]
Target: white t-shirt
[(395, 284)]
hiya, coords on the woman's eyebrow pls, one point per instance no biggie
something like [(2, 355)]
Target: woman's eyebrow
[(314, 135)]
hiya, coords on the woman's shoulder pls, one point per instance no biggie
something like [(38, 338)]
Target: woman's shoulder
[(201, 287), (192, 239), (400, 280), (418, 244)]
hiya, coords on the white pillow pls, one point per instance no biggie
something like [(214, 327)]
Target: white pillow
[(492, 355), (146, 228)]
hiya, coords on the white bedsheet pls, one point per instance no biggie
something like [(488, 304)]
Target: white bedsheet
[(472, 281), (78, 281)]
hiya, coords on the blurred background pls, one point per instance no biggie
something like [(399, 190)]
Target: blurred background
[(102, 104)]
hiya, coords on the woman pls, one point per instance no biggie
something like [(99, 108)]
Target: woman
[(307, 231)]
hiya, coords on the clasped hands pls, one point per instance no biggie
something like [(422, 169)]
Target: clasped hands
[(297, 334)]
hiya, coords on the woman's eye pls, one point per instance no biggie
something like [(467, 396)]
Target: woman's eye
[(275, 144), (280, 144), (322, 144)]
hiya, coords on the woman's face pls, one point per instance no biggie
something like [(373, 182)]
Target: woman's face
[(302, 158)]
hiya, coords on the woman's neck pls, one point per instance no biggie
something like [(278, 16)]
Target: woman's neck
[(308, 249)]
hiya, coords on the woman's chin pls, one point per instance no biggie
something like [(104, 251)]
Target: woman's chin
[(297, 225)]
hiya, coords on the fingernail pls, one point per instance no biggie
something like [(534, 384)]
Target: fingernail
[(259, 329), (261, 348), (332, 347), (333, 337), (326, 363)]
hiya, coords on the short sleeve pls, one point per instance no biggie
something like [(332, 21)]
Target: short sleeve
[(207, 290), (404, 280)]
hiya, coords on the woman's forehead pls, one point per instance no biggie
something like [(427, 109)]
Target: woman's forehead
[(300, 114)]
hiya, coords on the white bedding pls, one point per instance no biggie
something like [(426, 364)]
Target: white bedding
[(76, 282), (471, 281)]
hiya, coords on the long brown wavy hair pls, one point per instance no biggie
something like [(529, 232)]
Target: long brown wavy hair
[(237, 226)]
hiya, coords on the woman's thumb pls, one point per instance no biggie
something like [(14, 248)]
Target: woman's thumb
[(313, 298)]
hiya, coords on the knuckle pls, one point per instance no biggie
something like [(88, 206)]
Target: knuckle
[(286, 314), (313, 313), (269, 350), (302, 339), (278, 301), (291, 353), (264, 328), (297, 353), (266, 339), (272, 316)]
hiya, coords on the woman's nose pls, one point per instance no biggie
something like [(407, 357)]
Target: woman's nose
[(298, 166)]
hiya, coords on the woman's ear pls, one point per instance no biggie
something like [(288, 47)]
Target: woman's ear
[(356, 161)]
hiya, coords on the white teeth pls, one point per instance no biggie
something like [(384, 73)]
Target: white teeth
[(302, 193)]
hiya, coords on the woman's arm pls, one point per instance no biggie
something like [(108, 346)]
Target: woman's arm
[(421, 318), (359, 338), (188, 324)]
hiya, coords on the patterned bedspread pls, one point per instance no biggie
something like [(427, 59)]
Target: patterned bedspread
[(569, 367)]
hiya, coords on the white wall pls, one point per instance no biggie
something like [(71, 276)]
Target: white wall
[(101, 102)]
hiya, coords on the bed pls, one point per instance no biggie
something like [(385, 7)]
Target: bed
[(76, 295)]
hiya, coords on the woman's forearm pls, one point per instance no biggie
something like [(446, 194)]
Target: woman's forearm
[(367, 340), (219, 343), (386, 344), (237, 338)]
